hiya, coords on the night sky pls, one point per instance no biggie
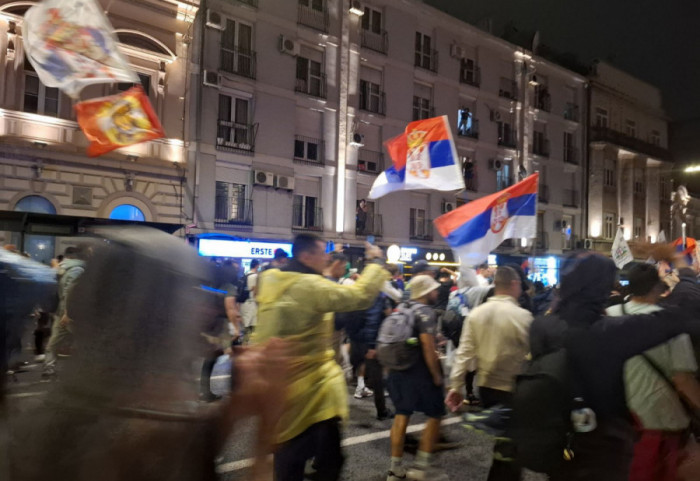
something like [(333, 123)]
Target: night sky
[(655, 40)]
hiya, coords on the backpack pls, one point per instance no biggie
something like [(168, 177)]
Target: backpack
[(242, 289), (542, 402), (395, 349)]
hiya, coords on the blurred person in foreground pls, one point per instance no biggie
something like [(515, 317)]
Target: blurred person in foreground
[(125, 409), (294, 304), (597, 348)]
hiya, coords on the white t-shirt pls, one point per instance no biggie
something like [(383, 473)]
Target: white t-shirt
[(251, 282)]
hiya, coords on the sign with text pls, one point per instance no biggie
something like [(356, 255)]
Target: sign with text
[(241, 249)]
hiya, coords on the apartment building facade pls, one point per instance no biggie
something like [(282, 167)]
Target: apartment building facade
[(630, 168), (44, 169), (297, 99)]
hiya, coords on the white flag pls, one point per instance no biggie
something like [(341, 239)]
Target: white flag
[(71, 44), (621, 253)]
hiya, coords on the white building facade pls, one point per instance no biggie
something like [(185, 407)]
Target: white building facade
[(630, 171), (44, 168), (298, 97)]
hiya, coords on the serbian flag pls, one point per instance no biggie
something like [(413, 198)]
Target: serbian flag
[(71, 44), (475, 229), (117, 121), (423, 157)]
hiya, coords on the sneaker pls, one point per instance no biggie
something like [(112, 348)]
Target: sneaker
[(363, 392), (492, 422), (40, 358), (391, 476), (419, 473)]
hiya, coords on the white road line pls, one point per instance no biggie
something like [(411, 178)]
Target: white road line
[(27, 394), (365, 438)]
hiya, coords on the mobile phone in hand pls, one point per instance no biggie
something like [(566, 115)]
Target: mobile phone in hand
[(370, 239)]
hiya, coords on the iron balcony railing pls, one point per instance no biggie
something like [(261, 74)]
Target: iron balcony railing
[(571, 112), (420, 230), (306, 219), (427, 60), (310, 17), (570, 198), (571, 156), (375, 103), (233, 136), (543, 194), (604, 134), (379, 42), (470, 182), (470, 76), (370, 161), (238, 61), (508, 89), (571, 243), (472, 131), (541, 147), (233, 210), (308, 150), (313, 85), (371, 226)]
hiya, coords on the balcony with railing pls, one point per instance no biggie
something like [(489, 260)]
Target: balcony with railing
[(540, 147), (570, 243), (236, 137), (372, 226), (372, 102), (570, 198), (571, 112), (370, 161), (308, 150), (427, 60), (306, 219), (379, 42), (314, 86), (313, 18), (233, 210), (508, 89), (571, 156), (238, 61), (420, 230), (470, 76), (508, 139), (604, 134), (543, 194), (470, 131)]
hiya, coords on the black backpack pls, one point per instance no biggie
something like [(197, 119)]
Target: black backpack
[(242, 289)]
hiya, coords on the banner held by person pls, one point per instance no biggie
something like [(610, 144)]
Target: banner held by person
[(71, 44), (475, 229), (117, 121), (621, 253), (423, 157)]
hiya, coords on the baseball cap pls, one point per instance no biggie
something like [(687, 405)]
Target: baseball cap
[(422, 266)]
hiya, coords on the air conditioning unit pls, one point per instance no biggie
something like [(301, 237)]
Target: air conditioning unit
[(284, 182), (358, 140), (496, 116), (211, 79), (260, 177), (448, 207), (82, 196), (495, 164), (457, 51), (289, 46), (588, 244), (214, 20)]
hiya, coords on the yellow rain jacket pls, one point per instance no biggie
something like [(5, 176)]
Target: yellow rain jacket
[(298, 307)]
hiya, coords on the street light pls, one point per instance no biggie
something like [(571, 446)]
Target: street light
[(691, 169)]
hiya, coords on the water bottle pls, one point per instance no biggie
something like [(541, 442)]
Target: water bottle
[(412, 341), (583, 418)]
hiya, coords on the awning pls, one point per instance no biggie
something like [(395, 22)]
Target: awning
[(66, 225)]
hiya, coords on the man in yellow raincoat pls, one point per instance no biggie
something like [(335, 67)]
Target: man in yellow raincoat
[(294, 304)]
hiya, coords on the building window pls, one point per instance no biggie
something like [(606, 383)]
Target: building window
[(38, 98), (609, 225), (639, 187), (609, 175), (417, 224), (503, 177), (306, 214), (231, 203), (468, 72), (310, 79), (308, 149), (237, 49), (424, 52), (312, 4), (601, 118), (144, 80), (469, 172), (127, 212), (371, 97), (466, 125), (372, 20), (655, 137), (506, 136), (35, 204), (569, 148), (638, 225), (234, 129), (631, 128), (421, 108)]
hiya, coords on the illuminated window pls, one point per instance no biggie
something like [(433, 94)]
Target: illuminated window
[(127, 212)]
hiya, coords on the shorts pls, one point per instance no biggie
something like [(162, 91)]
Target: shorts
[(413, 390), (358, 351)]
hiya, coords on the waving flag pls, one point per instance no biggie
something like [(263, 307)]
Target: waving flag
[(117, 121), (475, 229), (424, 157), (71, 44)]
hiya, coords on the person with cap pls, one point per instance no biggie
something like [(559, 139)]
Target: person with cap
[(420, 268), (496, 337), (655, 382), (418, 388)]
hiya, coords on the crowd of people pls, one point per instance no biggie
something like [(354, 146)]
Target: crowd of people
[(585, 381)]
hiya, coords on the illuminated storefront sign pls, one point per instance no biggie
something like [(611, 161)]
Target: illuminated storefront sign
[(407, 254), (241, 249)]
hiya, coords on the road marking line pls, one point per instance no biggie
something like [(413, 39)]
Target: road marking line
[(27, 394), (364, 438)]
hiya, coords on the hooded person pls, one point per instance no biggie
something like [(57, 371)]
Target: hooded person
[(597, 348)]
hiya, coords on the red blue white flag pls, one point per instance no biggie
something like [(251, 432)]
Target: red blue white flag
[(475, 229)]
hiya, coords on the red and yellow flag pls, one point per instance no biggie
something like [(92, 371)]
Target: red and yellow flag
[(117, 121)]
